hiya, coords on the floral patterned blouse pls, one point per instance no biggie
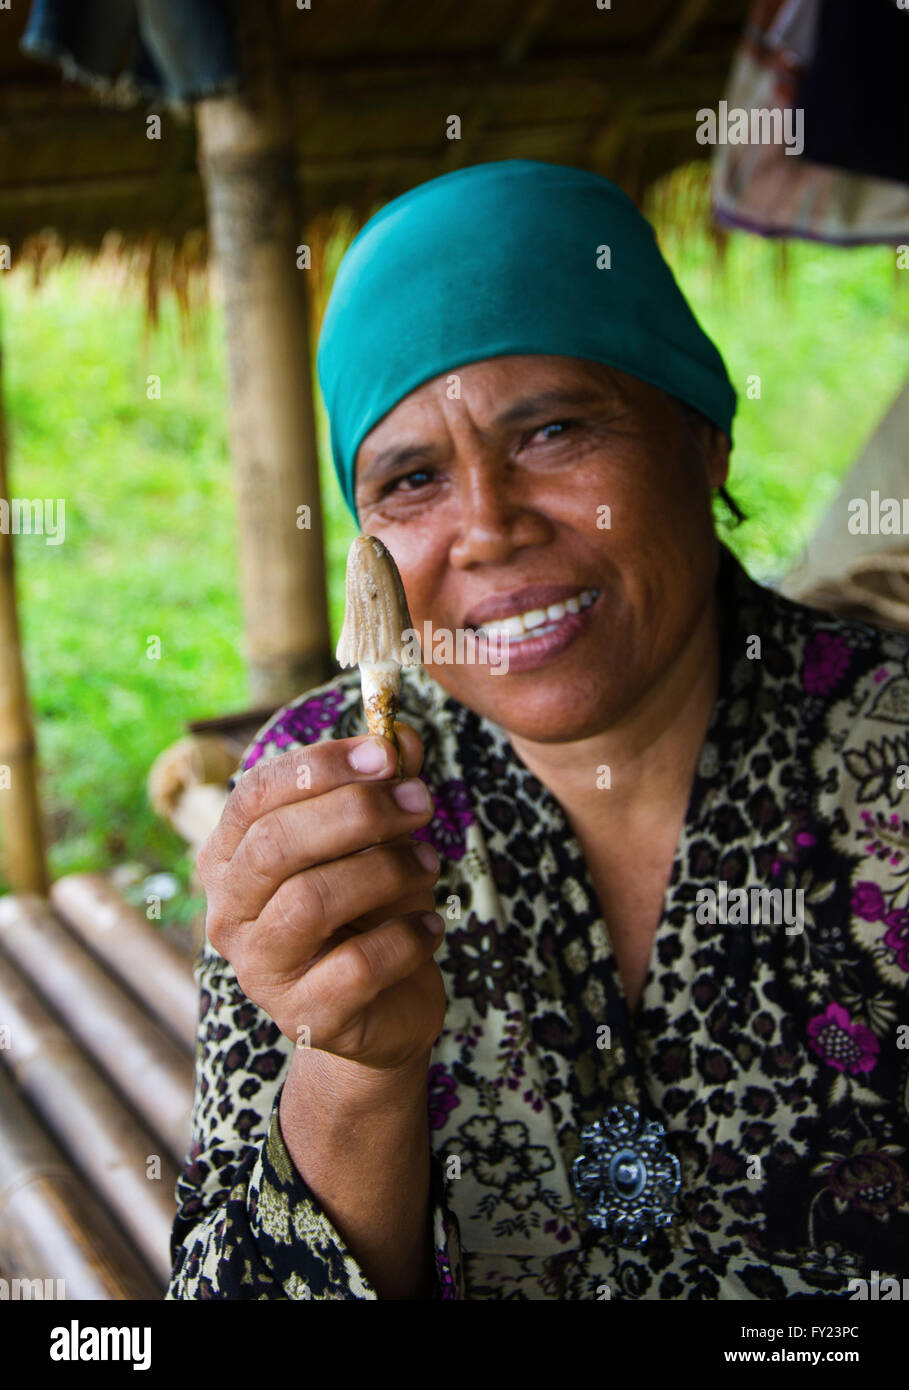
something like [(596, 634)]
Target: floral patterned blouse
[(771, 1063)]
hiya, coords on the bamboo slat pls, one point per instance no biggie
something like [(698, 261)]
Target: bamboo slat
[(146, 1065), (124, 940), (51, 1226), (113, 1151)]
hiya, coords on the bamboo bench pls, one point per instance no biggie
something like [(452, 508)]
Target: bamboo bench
[(97, 1033)]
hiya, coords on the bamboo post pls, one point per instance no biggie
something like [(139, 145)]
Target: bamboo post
[(146, 1066), (20, 814), (118, 1156), (248, 165), (129, 946), (51, 1226)]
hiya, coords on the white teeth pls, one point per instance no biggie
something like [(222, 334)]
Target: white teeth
[(511, 627), (526, 622), (535, 618)]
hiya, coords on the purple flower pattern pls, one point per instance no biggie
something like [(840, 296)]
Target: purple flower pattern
[(826, 660), (897, 938), (298, 724), (446, 831), (843, 1045), (442, 1095), (868, 901)]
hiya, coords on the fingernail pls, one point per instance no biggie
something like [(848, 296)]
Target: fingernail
[(369, 756), (426, 855), (433, 922), (413, 795)]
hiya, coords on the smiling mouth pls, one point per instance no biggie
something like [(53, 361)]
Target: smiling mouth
[(537, 622)]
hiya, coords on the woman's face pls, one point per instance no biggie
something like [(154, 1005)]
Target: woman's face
[(512, 485)]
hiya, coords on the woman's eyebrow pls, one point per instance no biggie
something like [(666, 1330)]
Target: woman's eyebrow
[(531, 407)]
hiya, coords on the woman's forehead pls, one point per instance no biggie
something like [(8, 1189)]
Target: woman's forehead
[(498, 382)]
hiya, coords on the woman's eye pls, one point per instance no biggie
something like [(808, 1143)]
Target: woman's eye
[(559, 427), (415, 480)]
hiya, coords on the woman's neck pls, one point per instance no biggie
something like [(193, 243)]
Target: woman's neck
[(651, 754)]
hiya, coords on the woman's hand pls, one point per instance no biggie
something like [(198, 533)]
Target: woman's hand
[(319, 898)]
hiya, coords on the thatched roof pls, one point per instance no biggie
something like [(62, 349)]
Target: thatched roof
[(372, 83)]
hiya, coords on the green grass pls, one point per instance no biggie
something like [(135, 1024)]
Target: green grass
[(150, 517), (149, 551)]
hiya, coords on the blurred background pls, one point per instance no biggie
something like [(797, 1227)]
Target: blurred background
[(178, 183)]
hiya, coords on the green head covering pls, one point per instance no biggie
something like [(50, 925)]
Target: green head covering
[(516, 256)]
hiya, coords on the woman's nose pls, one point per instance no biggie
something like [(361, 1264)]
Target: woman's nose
[(494, 521)]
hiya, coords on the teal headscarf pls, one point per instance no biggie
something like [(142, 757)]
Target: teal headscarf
[(516, 256)]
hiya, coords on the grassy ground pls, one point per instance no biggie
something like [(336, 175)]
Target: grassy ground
[(150, 517)]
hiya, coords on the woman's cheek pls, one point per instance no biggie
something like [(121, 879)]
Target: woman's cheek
[(422, 566)]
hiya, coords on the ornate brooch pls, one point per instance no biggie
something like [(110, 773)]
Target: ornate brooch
[(626, 1175)]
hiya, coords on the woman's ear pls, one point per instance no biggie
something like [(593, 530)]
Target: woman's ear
[(714, 448), (713, 445), (717, 450)]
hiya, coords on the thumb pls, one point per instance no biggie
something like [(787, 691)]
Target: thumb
[(411, 746)]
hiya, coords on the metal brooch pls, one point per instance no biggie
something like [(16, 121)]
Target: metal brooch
[(626, 1175)]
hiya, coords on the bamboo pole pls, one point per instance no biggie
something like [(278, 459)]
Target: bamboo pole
[(145, 1065), (51, 1226), (117, 1156), (20, 814), (248, 165), (130, 948)]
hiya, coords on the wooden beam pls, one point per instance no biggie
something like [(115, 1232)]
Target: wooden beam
[(681, 26), (21, 831), (360, 131), (248, 163), (518, 43), (368, 107)]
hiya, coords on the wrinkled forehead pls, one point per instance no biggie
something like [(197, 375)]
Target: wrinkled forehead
[(504, 390)]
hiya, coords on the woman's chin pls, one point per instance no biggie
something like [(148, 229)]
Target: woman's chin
[(558, 710)]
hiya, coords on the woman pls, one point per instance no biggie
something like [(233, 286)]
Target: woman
[(603, 1070)]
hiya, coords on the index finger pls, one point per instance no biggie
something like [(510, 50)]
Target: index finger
[(302, 773)]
